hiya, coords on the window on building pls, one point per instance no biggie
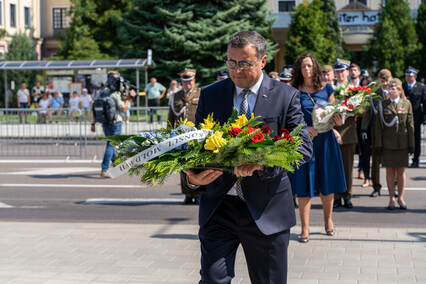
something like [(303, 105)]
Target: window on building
[(27, 17), (13, 15), (286, 5), (60, 18), (360, 1)]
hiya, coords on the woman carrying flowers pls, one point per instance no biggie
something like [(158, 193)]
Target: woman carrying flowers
[(324, 172)]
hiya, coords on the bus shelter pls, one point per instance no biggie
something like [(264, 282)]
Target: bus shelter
[(44, 66)]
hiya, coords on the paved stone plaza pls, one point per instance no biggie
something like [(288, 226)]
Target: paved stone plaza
[(63, 253)]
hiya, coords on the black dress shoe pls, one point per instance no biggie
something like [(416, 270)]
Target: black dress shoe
[(391, 207), (187, 200), (348, 204), (414, 165), (375, 193), (337, 203)]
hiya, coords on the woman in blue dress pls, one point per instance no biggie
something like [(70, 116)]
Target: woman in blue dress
[(324, 172)]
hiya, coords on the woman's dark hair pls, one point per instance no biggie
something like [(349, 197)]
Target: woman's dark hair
[(368, 80), (297, 77)]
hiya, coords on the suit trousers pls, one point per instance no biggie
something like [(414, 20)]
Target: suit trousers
[(375, 166), (417, 138), (230, 226), (348, 152)]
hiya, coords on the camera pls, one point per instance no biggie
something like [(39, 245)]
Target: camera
[(125, 88)]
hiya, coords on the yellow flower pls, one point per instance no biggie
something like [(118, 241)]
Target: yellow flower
[(208, 122), (186, 122), (215, 142), (240, 122)]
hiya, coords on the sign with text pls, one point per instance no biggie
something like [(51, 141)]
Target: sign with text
[(358, 18)]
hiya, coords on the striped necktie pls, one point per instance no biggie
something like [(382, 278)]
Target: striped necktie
[(244, 109)]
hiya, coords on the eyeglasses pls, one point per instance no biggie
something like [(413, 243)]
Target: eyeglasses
[(244, 65)]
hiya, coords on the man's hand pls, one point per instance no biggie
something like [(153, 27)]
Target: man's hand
[(246, 170), (364, 135), (312, 131), (203, 178), (338, 119)]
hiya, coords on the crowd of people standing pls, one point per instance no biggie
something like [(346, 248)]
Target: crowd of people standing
[(372, 136), (50, 102)]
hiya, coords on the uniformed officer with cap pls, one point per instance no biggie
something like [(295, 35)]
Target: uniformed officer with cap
[(222, 75), (416, 93), (184, 105), (285, 76), (348, 137)]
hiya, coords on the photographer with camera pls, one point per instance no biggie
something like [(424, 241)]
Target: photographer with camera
[(106, 109)]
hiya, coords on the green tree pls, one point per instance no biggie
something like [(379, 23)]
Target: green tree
[(421, 33), (394, 43), (191, 34), (333, 31), (310, 32), (79, 43), (20, 48), (103, 24)]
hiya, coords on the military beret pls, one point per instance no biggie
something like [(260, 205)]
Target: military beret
[(395, 82)]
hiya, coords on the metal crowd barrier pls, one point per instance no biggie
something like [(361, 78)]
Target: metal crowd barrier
[(26, 133)]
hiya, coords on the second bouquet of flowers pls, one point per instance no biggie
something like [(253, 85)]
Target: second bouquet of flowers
[(349, 101), (153, 156)]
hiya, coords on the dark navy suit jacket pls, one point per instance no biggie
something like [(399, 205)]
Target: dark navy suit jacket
[(267, 194)]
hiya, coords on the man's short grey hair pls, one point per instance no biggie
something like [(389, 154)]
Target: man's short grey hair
[(245, 38)]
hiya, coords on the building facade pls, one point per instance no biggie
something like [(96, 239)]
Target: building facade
[(41, 20), (356, 19), (20, 17)]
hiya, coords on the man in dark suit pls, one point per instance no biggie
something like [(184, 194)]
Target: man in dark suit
[(416, 93), (258, 211)]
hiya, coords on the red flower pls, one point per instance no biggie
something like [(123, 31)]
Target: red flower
[(250, 129), (350, 89), (266, 129), (277, 138), (368, 90), (284, 131), (363, 88), (235, 131), (257, 138), (351, 106), (359, 88)]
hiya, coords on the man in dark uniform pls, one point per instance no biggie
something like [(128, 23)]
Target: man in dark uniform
[(349, 139), (416, 93), (368, 128), (184, 105)]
